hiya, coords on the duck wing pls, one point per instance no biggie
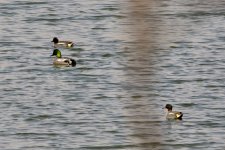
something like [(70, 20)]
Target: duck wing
[(174, 115), (178, 115), (66, 43)]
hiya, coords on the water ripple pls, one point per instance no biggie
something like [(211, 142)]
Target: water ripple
[(133, 57)]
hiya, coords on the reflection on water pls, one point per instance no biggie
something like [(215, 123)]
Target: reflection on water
[(141, 28)]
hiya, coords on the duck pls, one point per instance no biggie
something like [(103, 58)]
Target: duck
[(59, 60), (57, 43), (173, 114)]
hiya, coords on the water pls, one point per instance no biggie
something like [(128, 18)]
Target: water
[(133, 57)]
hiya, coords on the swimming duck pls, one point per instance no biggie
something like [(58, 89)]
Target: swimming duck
[(59, 60), (173, 114), (58, 43)]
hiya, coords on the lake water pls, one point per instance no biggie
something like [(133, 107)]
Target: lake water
[(133, 57)]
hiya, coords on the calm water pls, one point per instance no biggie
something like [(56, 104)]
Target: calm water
[(133, 57)]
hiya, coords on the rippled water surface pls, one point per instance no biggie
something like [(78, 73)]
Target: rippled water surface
[(133, 57)]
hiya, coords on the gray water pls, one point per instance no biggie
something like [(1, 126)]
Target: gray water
[(133, 57)]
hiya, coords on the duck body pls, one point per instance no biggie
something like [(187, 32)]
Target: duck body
[(58, 43), (65, 61), (173, 114)]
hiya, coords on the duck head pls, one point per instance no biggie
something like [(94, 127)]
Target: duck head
[(169, 107), (56, 53), (55, 40)]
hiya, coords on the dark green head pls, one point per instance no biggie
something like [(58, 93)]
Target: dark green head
[(169, 107), (57, 53), (55, 40)]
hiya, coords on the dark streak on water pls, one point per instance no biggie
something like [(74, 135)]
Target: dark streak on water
[(133, 57)]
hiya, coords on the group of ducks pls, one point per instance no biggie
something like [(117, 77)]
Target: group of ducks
[(65, 61), (59, 60)]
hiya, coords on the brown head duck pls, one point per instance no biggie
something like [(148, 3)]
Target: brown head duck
[(173, 114), (58, 43)]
